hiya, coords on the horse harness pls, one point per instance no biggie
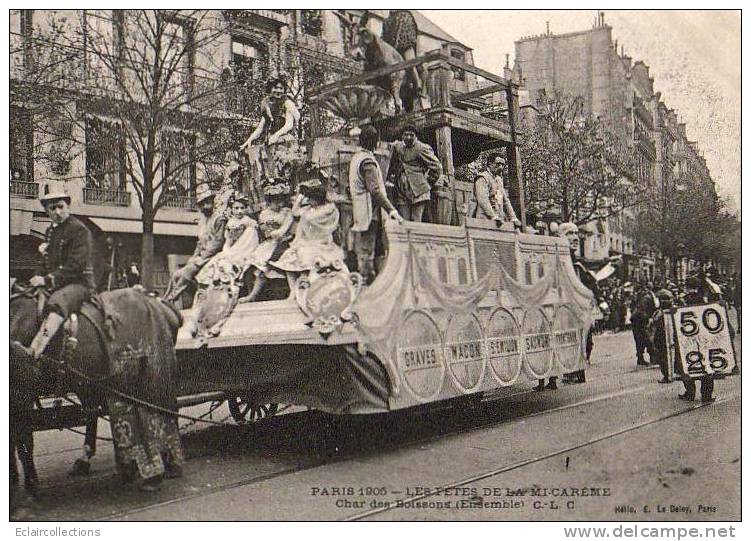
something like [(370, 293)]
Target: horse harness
[(61, 366)]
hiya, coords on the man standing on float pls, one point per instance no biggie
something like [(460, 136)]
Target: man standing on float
[(368, 195), (418, 168)]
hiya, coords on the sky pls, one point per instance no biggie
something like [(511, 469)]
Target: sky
[(694, 58)]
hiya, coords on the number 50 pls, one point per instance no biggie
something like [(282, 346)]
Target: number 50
[(710, 318)]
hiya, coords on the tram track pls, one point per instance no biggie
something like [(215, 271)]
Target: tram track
[(391, 506), (491, 401), (495, 411), (488, 397), (253, 480)]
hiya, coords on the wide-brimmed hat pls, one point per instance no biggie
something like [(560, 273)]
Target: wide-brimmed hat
[(240, 197), (53, 191), (311, 183), (665, 296), (203, 192), (272, 187), (567, 227)]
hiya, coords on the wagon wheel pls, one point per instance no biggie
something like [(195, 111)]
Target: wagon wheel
[(245, 412)]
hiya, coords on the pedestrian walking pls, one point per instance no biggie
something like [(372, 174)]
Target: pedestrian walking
[(643, 308)]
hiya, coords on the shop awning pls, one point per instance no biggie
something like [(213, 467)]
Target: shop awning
[(21, 222), (111, 225)]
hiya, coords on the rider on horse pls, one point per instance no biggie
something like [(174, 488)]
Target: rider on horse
[(68, 272)]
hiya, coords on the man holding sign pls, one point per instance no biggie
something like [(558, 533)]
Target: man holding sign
[(704, 347)]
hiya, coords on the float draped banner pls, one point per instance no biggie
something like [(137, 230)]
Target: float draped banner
[(410, 287)]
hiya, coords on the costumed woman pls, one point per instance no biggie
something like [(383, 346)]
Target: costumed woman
[(279, 119), (276, 225), (240, 241), (314, 238)]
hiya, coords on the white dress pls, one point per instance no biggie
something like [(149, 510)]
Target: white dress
[(275, 226), (241, 240), (313, 240)]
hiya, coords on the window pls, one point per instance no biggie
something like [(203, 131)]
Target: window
[(458, 73), (179, 164), (249, 69), (105, 155), (118, 34), (311, 22), (443, 272), (462, 269), (26, 28), (178, 55), (27, 22), (21, 145), (249, 61)]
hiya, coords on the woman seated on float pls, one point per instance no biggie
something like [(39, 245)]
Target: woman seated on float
[(276, 130), (313, 242), (275, 223), (240, 239)]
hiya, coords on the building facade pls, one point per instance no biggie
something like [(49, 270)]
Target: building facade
[(235, 49), (620, 92)]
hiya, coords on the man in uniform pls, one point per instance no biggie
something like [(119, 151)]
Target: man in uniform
[(492, 200), (368, 194), (644, 306), (210, 242), (68, 272), (420, 168)]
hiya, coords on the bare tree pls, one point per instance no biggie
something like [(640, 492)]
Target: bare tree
[(146, 86), (689, 220), (575, 166)]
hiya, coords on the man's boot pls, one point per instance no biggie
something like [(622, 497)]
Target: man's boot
[(49, 328)]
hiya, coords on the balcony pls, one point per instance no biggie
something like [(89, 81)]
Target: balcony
[(181, 202), (277, 17), (104, 197), (645, 145), (243, 99), (24, 190)]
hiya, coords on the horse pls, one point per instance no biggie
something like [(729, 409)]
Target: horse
[(30, 379)]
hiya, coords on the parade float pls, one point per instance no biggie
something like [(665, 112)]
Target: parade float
[(458, 307)]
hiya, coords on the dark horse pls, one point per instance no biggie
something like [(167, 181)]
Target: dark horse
[(30, 379)]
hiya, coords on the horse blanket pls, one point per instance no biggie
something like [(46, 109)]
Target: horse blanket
[(140, 332)]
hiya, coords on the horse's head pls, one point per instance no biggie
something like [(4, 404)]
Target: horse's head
[(24, 312), (24, 315)]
